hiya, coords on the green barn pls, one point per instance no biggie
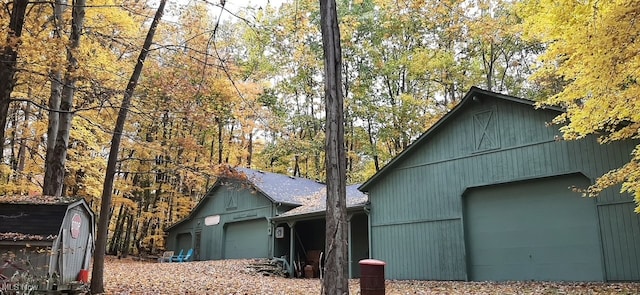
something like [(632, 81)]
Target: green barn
[(255, 214), (233, 219), (485, 195)]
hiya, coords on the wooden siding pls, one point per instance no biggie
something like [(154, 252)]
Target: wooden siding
[(419, 201), (422, 250), (233, 203), (359, 242), (620, 232)]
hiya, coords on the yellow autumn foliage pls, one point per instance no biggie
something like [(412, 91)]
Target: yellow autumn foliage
[(593, 49)]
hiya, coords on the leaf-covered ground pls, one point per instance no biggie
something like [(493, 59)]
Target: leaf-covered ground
[(235, 277)]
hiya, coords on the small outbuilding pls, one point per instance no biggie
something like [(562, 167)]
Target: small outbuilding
[(44, 240)]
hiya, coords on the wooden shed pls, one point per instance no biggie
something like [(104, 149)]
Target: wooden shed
[(45, 240), (485, 195)]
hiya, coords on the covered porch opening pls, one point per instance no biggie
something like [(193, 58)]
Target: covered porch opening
[(302, 241)]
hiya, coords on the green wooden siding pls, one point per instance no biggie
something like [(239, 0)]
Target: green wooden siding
[(419, 199), (359, 242), (424, 250), (532, 230), (620, 232), (184, 243), (233, 203)]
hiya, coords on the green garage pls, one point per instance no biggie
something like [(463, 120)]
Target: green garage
[(532, 230), (484, 195), (246, 239)]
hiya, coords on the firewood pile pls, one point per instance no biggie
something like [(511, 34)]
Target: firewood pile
[(267, 267)]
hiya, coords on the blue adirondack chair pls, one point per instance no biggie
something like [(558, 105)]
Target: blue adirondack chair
[(186, 257), (176, 258)]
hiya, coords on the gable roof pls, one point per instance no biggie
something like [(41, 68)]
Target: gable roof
[(473, 94), (33, 217), (278, 188), (317, 202)]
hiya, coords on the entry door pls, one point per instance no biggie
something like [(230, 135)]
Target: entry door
[(532, 230)]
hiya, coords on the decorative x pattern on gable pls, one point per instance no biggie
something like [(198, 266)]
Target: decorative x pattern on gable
[(232, 199), (485, 130)]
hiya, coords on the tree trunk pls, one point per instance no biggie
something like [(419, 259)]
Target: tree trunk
[(127, 238), (115, 238), (22, 152), (8, 65), (54, 172), (250, 149), (336, 262), (55, 96), (219, 121), (97, 275), (13, 139)]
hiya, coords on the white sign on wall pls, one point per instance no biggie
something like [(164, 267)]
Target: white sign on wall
[(212, 220), (279, 232), (76, 222)]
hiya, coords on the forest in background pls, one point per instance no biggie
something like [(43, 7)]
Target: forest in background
[(246, 89)]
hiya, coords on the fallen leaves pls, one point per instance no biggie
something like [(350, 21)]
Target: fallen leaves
[(237, 277), (11, 236), (42, 200)]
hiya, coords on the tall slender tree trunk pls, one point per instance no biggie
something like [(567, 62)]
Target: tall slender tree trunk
[(8, 65), (13, 139), (127, 238), (54, 105), (115, 238), (55, 172), (250, 149), (22, 151), (219, 121), (97, 274), (336, 262), (372, 143)]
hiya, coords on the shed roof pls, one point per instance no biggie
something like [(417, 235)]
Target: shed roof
[(317, 202), (32, 218), (473, 94)]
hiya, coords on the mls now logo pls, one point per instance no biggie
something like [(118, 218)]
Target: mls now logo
[(15, 288)]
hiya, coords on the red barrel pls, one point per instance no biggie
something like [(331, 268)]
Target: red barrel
[(83, 276), (372, 277)]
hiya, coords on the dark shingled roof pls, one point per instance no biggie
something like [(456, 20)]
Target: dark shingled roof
[(278, 188), (282, 188), (317, 202)]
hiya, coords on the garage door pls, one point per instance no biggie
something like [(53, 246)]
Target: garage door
[(184, 242), (532, 230), (246, 239)]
